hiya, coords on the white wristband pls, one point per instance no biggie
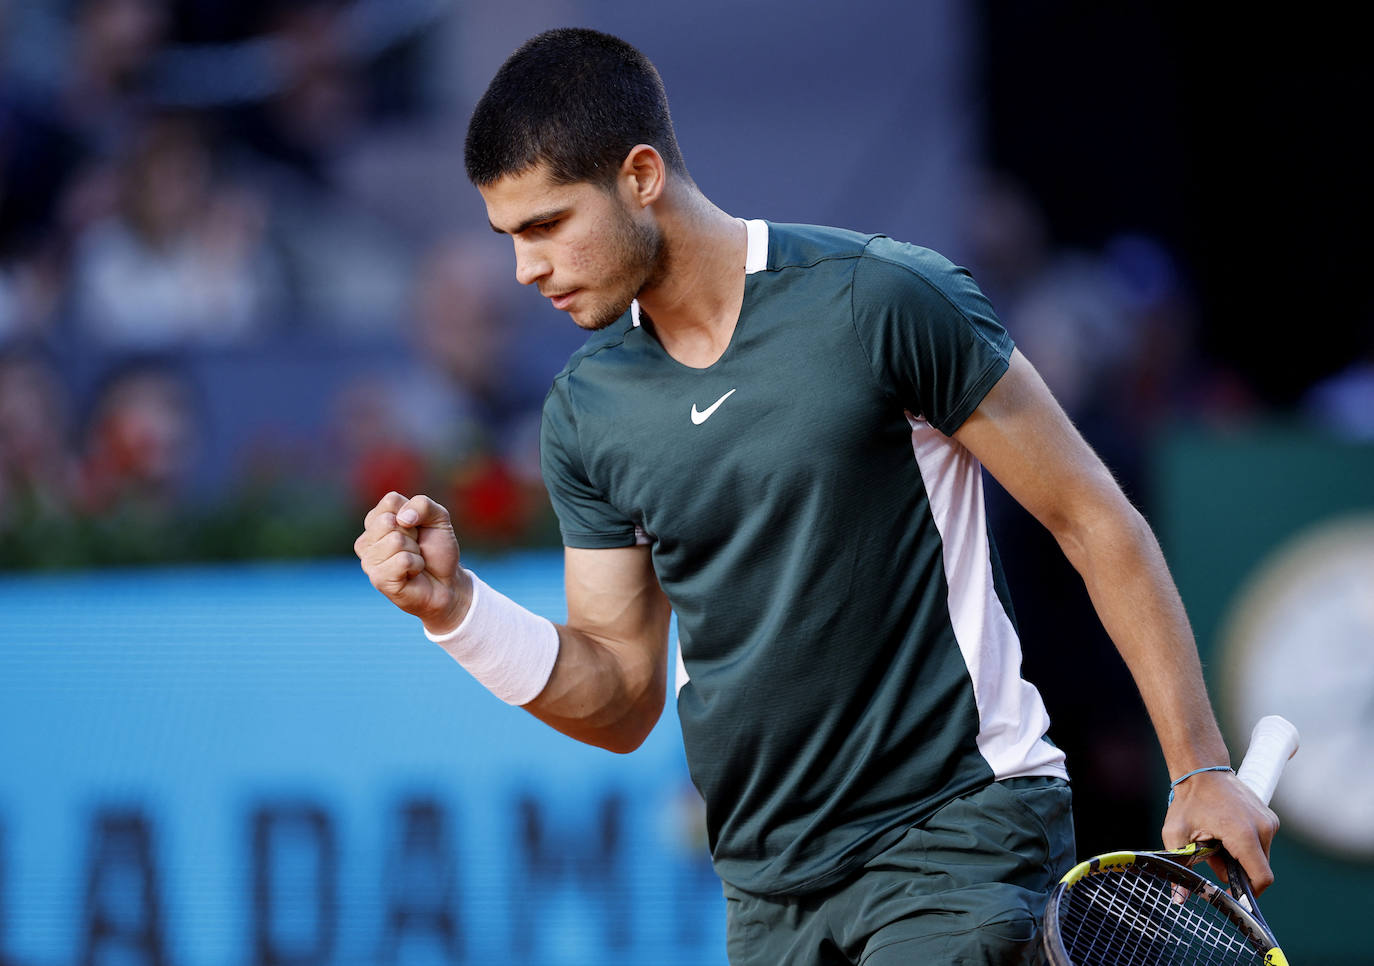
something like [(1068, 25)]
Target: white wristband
[(507, 648)]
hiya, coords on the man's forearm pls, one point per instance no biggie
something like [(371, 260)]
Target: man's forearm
[(602, 692), (1129, 583)]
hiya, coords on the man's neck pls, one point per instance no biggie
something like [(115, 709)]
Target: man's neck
[(694, 307)]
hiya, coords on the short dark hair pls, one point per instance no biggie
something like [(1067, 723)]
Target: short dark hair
[(577, 100)]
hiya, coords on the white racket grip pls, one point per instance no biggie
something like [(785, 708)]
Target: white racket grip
[(1272, 743)]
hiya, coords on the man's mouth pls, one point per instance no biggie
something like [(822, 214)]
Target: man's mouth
[(561, 302)]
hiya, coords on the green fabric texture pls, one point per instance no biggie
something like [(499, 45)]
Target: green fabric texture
[(828, 703), (966, 887)]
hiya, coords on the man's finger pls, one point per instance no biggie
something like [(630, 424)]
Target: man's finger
[(382, 539), (394, 576), (1252, 859), (387, 505), (387, 545), (421, 511)]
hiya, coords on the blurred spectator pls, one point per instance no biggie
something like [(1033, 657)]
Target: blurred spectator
[(30, 288), (320, 106), (1343, 402), (466, 329), (346, 264), (469, 415), (378, 452), (1007, 237), (1114, 333), (36, 159), (1164, 371), (103, 92), (346, 268), (1073, 322), (141, 442), (37, 467), (1068, 310), (184, 259)]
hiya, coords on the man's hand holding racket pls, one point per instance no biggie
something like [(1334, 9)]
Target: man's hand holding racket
[(1217, 805), (1151, 907), (410, 553)]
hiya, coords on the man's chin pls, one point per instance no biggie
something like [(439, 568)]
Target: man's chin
[(595, 321)]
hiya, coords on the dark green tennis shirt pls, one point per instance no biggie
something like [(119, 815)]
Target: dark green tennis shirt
[(851, 662)]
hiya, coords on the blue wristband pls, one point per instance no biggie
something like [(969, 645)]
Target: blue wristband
[(1196, 771)]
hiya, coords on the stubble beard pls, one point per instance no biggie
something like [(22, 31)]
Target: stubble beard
[(642, 251)]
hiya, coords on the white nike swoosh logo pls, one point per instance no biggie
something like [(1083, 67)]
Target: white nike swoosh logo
[(700, 417)]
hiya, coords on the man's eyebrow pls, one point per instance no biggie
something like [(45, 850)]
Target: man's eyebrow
[(531, 222)]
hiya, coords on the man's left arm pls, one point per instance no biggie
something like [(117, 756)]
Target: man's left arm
[(1025, 440)]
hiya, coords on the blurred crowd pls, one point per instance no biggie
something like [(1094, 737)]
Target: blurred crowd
[(216, 339), (222, 336)]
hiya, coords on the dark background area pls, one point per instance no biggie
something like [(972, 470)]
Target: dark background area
[(1239, 137), (1239, 142)]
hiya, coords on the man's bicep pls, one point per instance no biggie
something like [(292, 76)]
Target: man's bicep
[(614, 596), (1021, 434)]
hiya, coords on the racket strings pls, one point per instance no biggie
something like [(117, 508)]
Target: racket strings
[(1131, 917)]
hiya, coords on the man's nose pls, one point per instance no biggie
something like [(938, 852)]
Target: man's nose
[(530, 264)]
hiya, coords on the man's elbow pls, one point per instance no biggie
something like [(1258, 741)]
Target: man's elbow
[(1105, 521), (623, 745), (620, 733), (634, 729)]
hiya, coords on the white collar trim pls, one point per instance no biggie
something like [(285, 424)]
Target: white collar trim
[(756, 259)]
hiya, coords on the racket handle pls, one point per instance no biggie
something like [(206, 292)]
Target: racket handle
[(1272, 743)]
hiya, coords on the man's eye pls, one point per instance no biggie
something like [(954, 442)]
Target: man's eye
[(546, 226)]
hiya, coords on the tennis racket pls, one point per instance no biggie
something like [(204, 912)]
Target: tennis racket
[(1144, 908)]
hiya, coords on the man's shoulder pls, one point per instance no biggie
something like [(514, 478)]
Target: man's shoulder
[(804, 246), (800, 246)]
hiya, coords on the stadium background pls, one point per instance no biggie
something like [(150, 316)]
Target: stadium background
[(244, 288)]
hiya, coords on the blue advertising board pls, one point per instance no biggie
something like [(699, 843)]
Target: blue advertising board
[(270, 765)]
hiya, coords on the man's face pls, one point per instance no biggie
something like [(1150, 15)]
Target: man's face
[(589, 249)]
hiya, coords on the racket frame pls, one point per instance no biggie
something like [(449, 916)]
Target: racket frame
[(1172, 865)]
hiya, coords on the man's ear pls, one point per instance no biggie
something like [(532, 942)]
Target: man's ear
[(643, 175)]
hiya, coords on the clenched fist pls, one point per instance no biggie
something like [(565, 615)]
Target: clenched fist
[(410, 553)]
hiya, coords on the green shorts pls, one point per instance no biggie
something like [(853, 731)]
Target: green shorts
[(966, 886)]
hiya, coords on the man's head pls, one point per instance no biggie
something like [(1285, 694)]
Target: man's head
[(572, 147), (575, 101)]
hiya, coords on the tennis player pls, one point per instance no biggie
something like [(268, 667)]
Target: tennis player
[(776, 431)]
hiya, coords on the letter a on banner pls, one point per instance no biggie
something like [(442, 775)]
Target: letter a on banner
[(122, 920)]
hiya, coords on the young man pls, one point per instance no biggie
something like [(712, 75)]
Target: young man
[(776, 432)]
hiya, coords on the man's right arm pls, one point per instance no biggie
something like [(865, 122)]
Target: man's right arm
[(609, 682), (609, 677)]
